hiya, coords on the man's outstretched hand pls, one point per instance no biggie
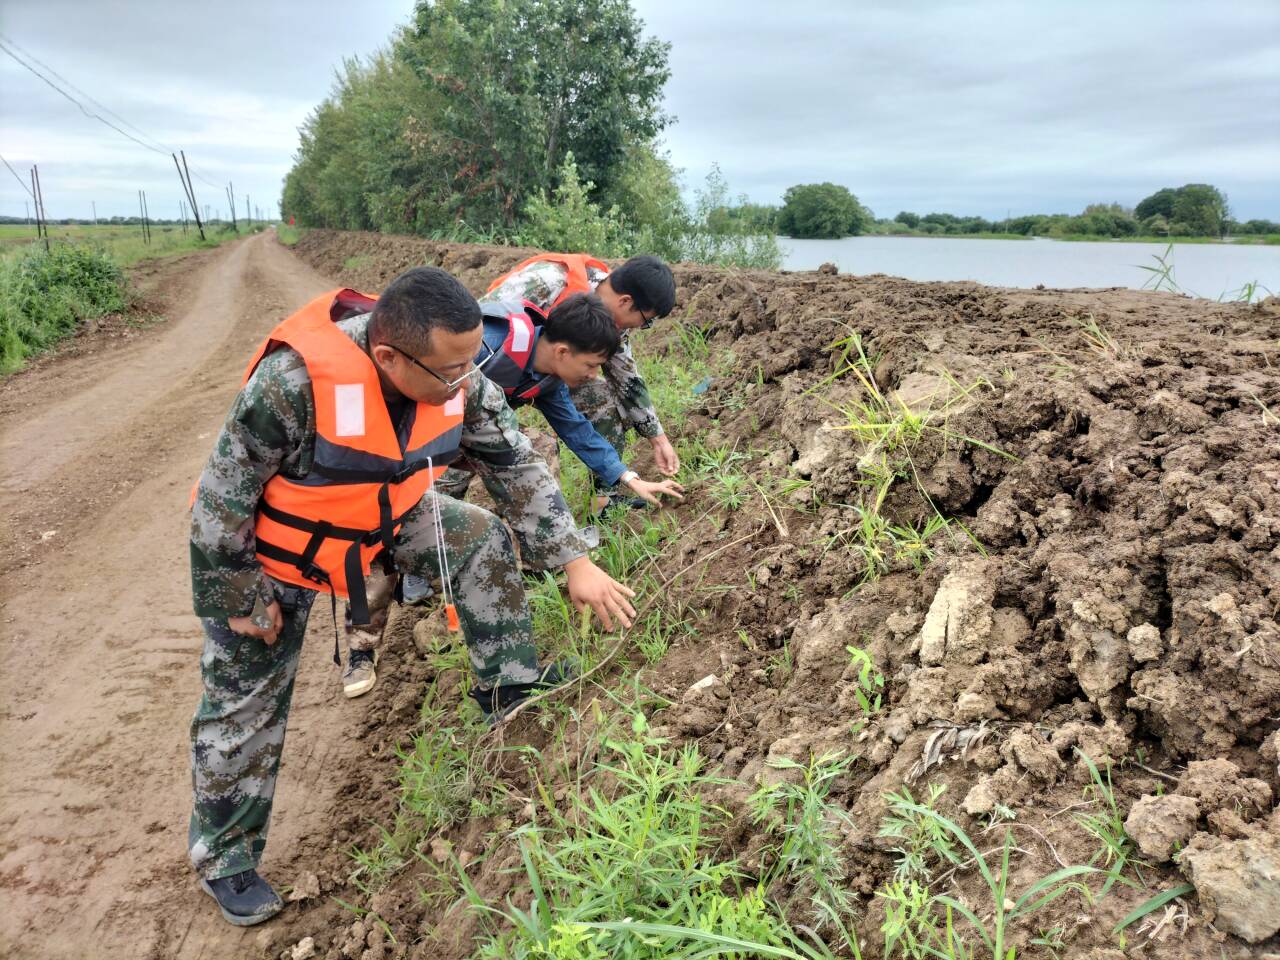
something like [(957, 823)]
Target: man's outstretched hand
[(665, 456), (648, 490), (589, 586)]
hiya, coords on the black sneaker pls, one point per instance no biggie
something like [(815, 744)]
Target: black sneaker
[(498, 701), (244, 898)]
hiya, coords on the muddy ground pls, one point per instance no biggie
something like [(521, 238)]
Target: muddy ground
[(1122, 479), (1125, 603)]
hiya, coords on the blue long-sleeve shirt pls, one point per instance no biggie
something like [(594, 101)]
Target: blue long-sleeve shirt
[(554, 404)]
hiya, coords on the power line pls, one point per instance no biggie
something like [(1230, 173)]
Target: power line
[(5, 43), (101, 106), (83, 109), (18, 178)]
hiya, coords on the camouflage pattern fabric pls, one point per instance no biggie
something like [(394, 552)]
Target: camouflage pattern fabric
[(238, 730), (271, 429), (237, 735), (456, 481), (540, 283)]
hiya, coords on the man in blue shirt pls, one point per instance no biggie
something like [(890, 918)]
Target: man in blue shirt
[(537, 360)]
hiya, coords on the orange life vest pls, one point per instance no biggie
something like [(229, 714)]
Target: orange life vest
[(577, 280), (323, 531)]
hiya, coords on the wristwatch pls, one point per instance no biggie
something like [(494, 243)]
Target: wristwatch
[(628, 476)]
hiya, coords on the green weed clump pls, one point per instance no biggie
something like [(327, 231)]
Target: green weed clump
[(45, 295), (890, 432), (638, 843), (921, 922)]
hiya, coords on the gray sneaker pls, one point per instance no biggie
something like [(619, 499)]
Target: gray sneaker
[(416, 590), (359, 676), (244, 899)]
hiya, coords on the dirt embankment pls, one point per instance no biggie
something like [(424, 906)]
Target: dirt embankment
[(1126, 603), (1117, 456)]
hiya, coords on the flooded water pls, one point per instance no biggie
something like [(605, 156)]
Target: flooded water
[(1204, 269)]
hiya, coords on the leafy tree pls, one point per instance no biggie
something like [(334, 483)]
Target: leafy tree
[(1202, 208), (1160, 202), (472, 111), (1195, 209), (821, 210), (906, 218), (570, 221), (524, 82), (716, 237)]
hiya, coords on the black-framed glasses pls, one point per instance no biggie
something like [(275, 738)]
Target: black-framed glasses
[(645, 322), (489, 354)]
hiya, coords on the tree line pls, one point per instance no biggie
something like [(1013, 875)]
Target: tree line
[(827, 210)]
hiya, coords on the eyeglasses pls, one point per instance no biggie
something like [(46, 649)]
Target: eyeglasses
[(645, 322), (490, 353)]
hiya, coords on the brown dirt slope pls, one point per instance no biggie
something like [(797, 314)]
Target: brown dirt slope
[(1125, 603)]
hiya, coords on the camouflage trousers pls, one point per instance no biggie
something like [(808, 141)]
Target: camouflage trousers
[(237, 734), (597, 402)]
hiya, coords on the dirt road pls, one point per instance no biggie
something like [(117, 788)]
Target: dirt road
[(98, 452)]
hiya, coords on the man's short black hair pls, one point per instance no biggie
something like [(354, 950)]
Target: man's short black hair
[(418, 301), (649, 283), (585, 324)]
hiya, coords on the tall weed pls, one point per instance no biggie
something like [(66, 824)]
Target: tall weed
[(45, 295)]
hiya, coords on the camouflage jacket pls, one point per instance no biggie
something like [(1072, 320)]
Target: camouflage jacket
[(540, 283), (271, 429)]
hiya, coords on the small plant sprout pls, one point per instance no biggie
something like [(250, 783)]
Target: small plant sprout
[(870, 682), (1161, 275), (1106, 826), (992, 920), (1098, 339)]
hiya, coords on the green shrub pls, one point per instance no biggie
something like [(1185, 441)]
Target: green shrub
[(570, 221), (45, 295)]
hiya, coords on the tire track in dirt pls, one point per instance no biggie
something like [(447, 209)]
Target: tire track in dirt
[(101, 646)]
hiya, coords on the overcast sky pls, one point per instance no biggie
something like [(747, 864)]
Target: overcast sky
[(971, 108)]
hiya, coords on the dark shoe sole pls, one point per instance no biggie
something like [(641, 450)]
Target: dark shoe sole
[(237, 919)]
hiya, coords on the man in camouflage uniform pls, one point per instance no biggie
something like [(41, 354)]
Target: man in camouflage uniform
[(254, 625), (637, 293)]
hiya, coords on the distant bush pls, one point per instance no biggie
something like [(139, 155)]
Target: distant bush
[(44, 296), (707, 233)]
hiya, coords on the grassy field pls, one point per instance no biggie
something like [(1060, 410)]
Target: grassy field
[(45, 295), (123, 243)]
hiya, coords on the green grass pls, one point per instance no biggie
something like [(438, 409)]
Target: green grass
[(441, 782), (920, 922), (46, 294), (808, 828)]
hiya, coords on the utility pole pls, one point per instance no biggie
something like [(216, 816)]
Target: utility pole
[(42, 221), (185, 176), (95, 211), (246, 211), (146, 216), (142, 218), (231, 204), (28, 206)]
